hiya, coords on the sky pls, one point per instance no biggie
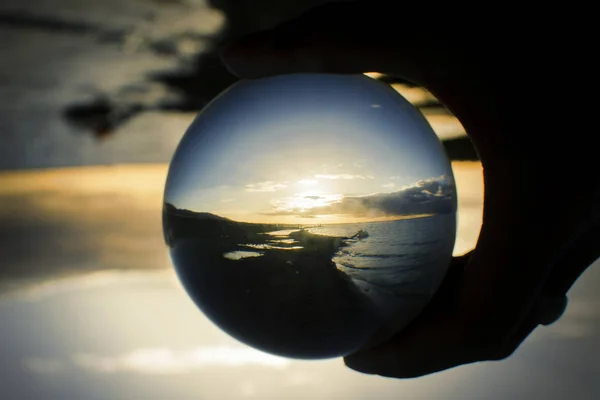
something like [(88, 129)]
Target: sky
[(277, 149), (90, 307), (78, 68)]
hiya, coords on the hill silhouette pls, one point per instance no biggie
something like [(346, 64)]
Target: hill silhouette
[(170, 208), (276, 291)]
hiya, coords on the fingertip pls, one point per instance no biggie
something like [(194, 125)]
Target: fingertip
[(244, 56), (254, 57), (360, 364), (377, 364), (286, 51), (550, 309)]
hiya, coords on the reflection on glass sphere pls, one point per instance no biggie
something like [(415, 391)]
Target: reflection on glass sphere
[(310, 215)]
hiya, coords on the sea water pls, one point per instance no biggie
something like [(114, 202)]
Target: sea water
[(399, 261)]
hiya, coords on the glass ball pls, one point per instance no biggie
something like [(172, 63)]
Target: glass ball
[(310, 215)]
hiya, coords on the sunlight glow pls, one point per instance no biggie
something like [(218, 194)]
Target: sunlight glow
[(267, 186), (308, 182), (342, 176), (305, 201), (168, 361)]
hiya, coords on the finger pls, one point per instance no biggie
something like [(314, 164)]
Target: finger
[(348, 37), (514, 341), (420, 350), (445, 296), (550, 308), (413, 352), (546, 311), (580, 255)]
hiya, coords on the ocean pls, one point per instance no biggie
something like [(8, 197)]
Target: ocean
[(400, 265), (394, 250)]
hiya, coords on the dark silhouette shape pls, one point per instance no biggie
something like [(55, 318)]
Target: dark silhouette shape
[(287, 298), (460, 149), (102, 115)]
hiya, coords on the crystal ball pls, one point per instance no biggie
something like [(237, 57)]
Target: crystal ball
[(310, 215)]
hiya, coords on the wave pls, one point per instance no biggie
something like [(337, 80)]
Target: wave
[(364, 268)]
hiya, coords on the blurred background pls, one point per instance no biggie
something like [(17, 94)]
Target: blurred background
[(94, 98)]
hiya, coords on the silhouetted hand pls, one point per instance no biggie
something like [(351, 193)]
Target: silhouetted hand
[(536, 237)]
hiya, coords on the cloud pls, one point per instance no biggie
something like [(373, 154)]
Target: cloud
[(44, 366), (73, 217), (375, 105), (580, 320), (342, 176), (84, 280), (301, 204), (388, 185), (431, 196), (308, 182), (267, 186), (168, 361), (157, 361)]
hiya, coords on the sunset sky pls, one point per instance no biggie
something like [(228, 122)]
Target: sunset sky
[(263, 155)]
